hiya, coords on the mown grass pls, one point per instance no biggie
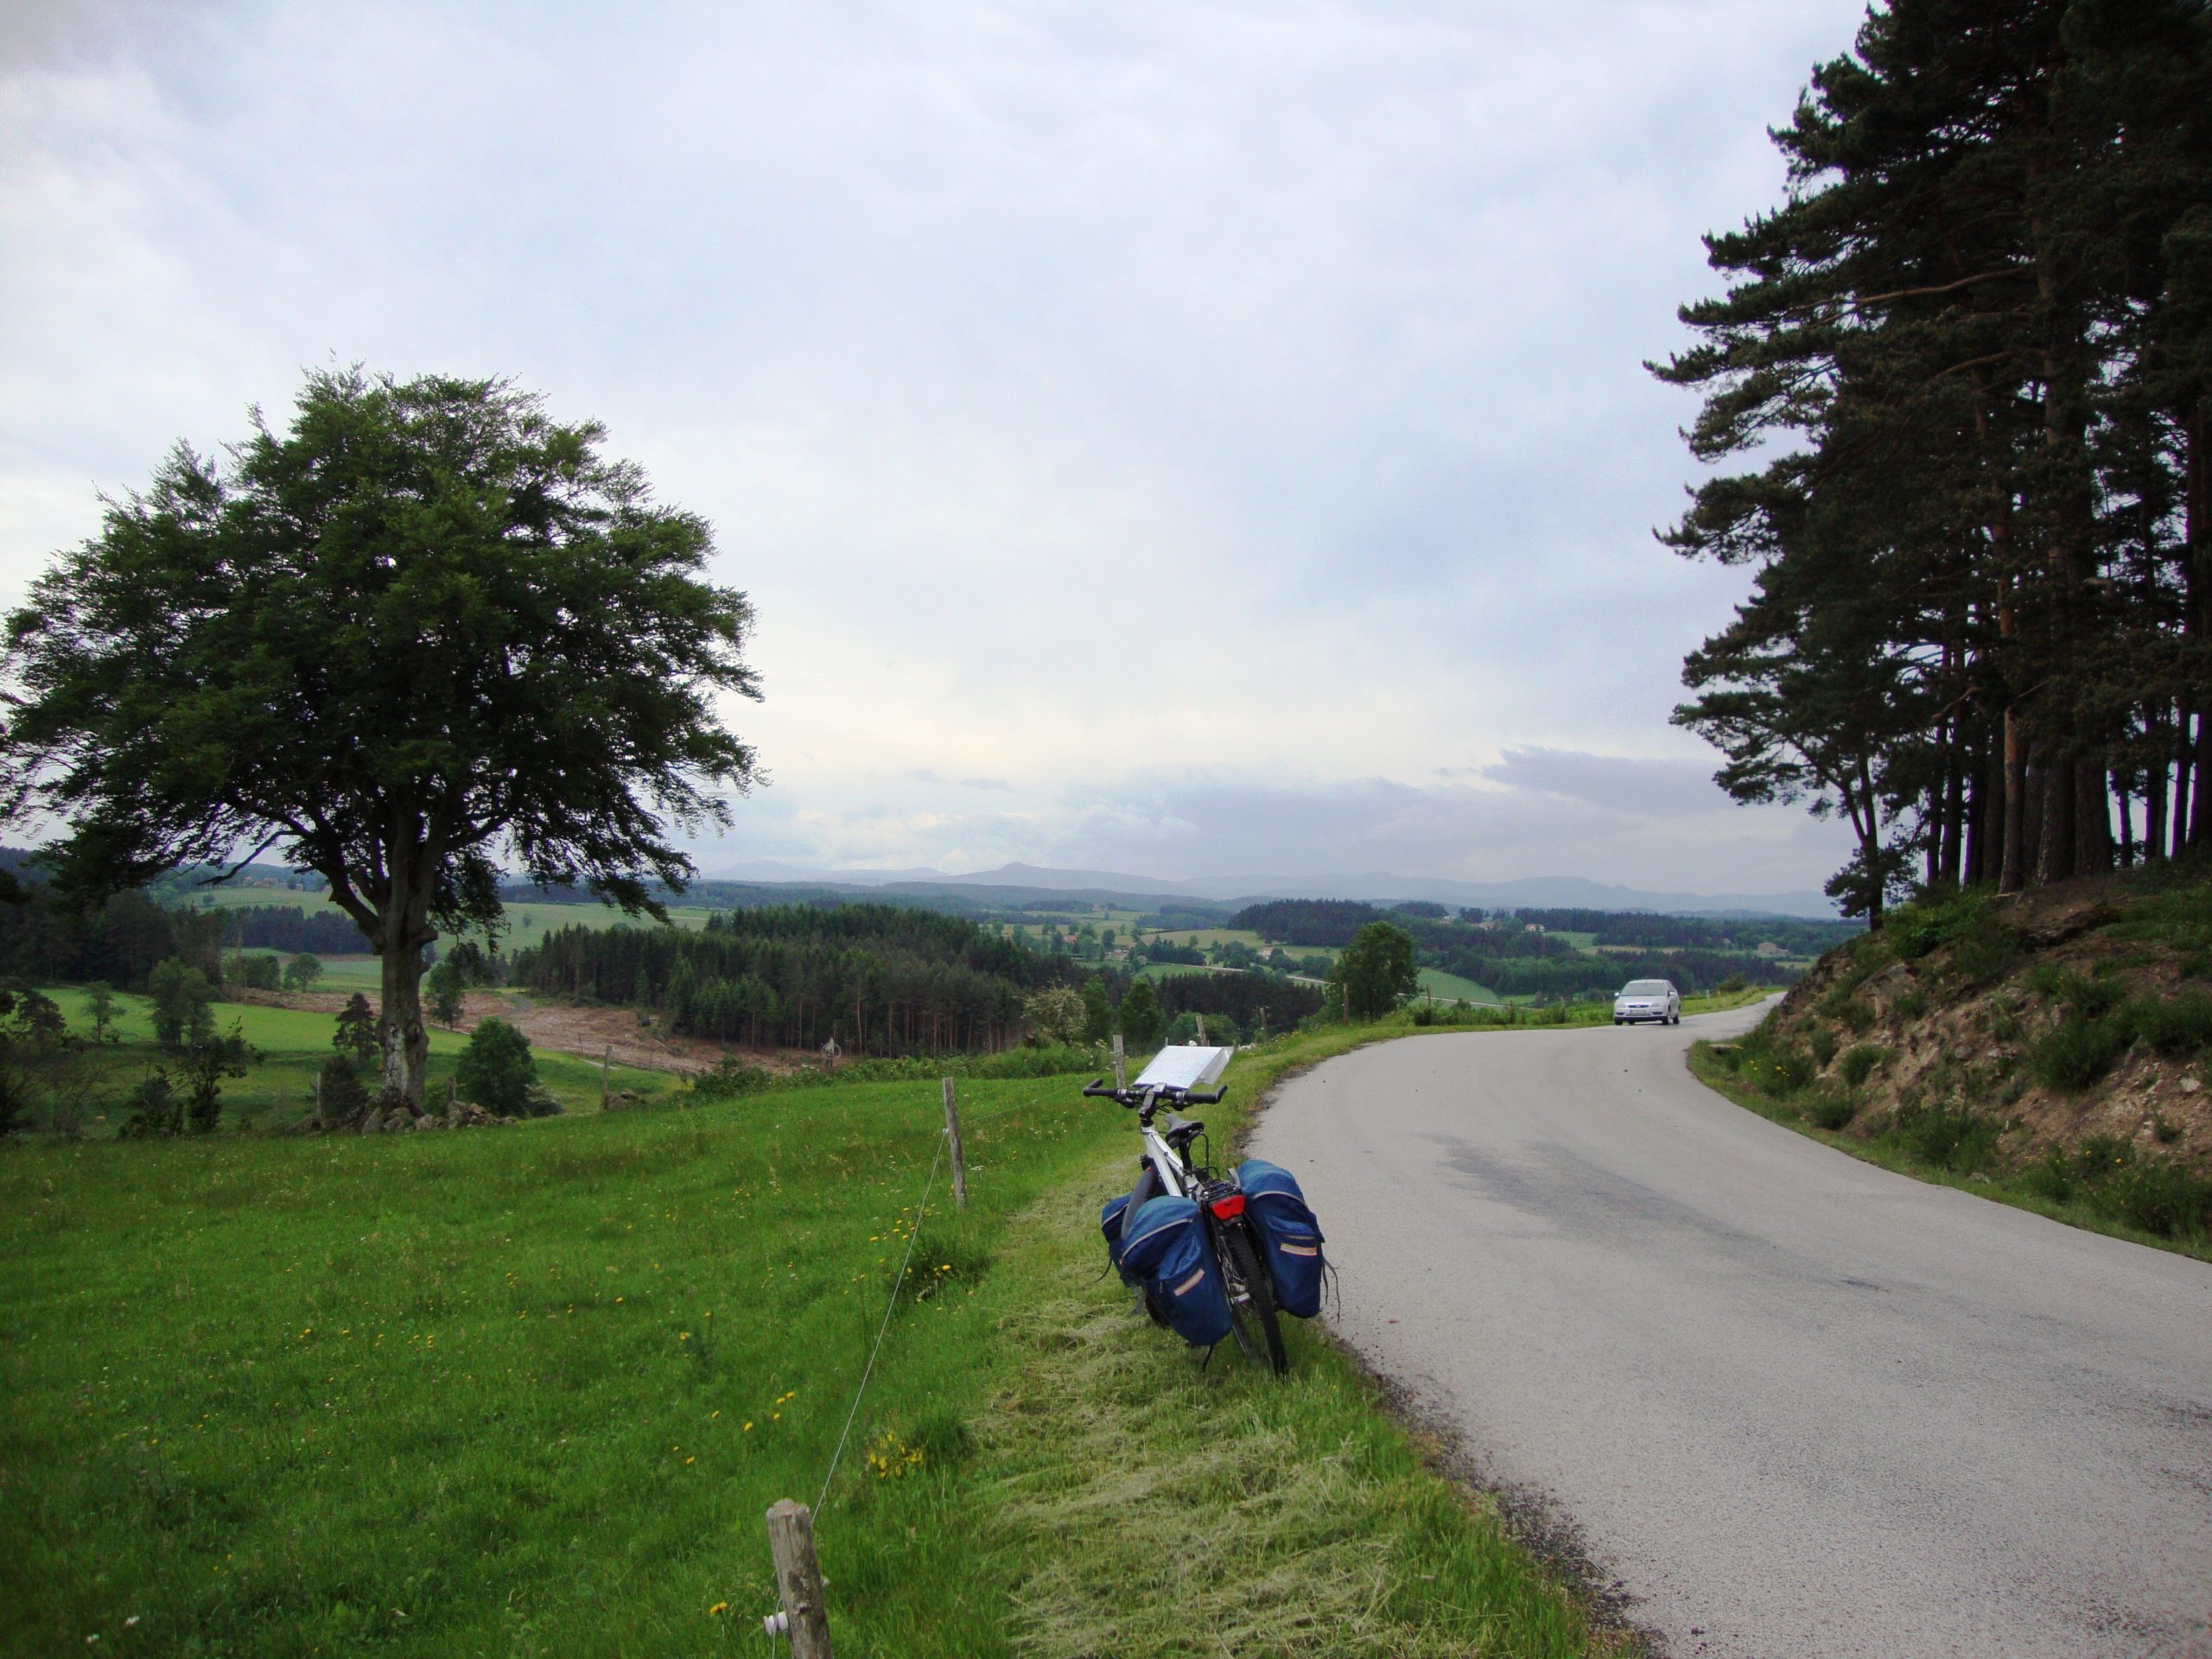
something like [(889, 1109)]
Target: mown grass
[(290, 1045), (2105, 1186), (528, 1392)]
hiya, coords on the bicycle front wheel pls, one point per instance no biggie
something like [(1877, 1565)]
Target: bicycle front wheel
[(1252, 1315)]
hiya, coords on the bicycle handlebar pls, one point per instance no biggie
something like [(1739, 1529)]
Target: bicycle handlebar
[(1146, 1096)]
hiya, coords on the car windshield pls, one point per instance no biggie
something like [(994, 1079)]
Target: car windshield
[(1646, 988)]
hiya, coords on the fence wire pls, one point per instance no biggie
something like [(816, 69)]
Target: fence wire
[(921, 1208)]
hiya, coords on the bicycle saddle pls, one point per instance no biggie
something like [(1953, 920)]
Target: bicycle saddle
[(1180, 1131)]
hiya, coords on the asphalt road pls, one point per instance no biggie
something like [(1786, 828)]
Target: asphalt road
[(1798, 1406)]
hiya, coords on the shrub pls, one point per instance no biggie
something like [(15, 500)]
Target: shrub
[(732, 1079), (1912, 1005), (342, 1097), (1985, 949), (2051, 1177), (1929, 922), (1731, 986), (1822, 1042), (2096, 1156), (2181, 1024), (2078, 1051), (1947, 1135), (152, 1109), (1830, 1110), (2160, 1198), (1859, 1062), (1778, 1073), (496, 1071)]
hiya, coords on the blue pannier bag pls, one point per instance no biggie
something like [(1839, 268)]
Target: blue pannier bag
[(1276, 1207), (1109, 1224), (1110, 1217), (1165, 1251)]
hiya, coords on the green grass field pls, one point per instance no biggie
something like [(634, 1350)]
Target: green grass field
[(292, 1045), (1442, 985), (529, 1391), (525, 921)]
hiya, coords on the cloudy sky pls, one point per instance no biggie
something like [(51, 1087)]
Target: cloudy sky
[(1188, 439)]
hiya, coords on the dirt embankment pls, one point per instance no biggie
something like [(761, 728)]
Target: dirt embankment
[(2073, 1013)]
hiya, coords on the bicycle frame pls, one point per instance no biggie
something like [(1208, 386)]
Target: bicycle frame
[(1221, 1207)]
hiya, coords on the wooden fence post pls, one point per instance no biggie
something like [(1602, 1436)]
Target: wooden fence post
[(799, 1580), (606, 1056), (1120, 1064), (952, 1134)]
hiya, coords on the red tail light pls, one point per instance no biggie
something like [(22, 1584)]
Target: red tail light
[(1230, 1208)]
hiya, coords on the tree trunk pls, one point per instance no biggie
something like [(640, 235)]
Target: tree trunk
[(2055, 861), (406, 1043), (2200, 831), (2012, 874), (2092, 818), (2154, 795)]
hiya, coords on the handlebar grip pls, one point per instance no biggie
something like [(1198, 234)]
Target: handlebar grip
[(1096, 1086), (1205, 1100)]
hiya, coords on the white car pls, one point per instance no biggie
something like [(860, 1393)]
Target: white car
[(1648, 999)]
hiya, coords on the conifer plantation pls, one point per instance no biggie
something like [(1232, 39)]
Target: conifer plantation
[(878, 978), (1969, 360)]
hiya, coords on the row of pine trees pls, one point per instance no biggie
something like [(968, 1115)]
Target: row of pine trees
[(1970, 356), (878, 978)]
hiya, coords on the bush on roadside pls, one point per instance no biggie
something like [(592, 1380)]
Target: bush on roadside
[(1947, 1135), (1822, 1042), (1828, 1109), (2160, 1198), (1778, 1073), (2078, 1051), (1859, 1061)]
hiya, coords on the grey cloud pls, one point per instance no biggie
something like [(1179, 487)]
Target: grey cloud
[(1225, 402), (1647, 788)]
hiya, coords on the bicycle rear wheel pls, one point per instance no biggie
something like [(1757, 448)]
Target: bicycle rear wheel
[(1252, 1316)]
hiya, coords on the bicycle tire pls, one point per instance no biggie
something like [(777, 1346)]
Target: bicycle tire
[(1253, 1319)]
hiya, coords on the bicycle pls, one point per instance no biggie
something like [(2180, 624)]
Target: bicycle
[(1171, 1171)]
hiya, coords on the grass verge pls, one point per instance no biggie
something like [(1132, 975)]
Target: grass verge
[(528, 1392)]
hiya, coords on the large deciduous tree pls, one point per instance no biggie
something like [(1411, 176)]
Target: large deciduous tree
[(1375, 972), (425, 634)]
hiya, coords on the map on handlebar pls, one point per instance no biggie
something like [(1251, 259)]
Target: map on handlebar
[(1188, 1067)]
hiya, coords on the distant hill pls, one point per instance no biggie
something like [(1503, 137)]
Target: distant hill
[(1561, 891)]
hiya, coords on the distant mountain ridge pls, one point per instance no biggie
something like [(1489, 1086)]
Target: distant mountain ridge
[(1539, 892)]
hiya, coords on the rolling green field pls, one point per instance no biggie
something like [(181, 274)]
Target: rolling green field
[(292, 1045), (1442, 984), (529, 1391), (525, 920)]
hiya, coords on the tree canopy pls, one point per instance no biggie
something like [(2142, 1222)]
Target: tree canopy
[(426, 631), (1375, 972), (1972, 352)]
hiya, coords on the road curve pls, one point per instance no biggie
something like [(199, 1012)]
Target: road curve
[(1798, 1406)]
